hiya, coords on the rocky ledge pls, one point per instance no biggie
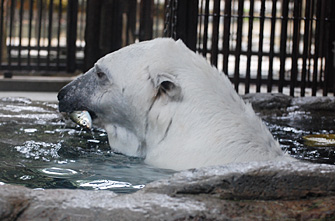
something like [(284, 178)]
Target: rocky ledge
[(263, 190), (249, 191)]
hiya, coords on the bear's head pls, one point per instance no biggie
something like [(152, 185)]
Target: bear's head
[(122, 87)]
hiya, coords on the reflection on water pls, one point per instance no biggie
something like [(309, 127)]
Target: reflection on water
[(41, 149)]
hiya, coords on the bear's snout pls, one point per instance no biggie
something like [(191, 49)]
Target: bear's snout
[(76, 95), (61, 94), (65, 104)]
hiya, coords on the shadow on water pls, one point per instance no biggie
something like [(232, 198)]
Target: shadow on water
[(41, 149)]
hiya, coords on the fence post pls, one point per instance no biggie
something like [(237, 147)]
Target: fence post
[(103, 33), (330, 59), (146, 20), (187, 22), (71, 32), (92, 31)]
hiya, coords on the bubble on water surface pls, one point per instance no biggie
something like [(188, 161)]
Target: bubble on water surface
[(59, 171), (26, 177), (30, 130)]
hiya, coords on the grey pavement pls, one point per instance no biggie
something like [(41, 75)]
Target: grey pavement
[(37, 96)]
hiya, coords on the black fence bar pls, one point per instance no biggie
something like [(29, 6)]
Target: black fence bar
[(2, 35), (215, 33), (226, 35), (324, 45), (306, 40), (72, 12), (187, 22), (295, 52), (11, 21), (146, 21), (236, 80), (59, 28), (272, 44), (283, 44), (260, 46), (30, 28), (317, 46), (39, 28), (20, 32), (51, 3), (330, 62), (250, 28)]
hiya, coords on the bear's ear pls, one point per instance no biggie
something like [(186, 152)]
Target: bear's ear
[(166, 84)]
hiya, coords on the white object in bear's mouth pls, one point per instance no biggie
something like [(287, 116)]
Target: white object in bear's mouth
[(82, 118)]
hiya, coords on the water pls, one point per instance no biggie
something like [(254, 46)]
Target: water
[(39, 148), (290, 126)]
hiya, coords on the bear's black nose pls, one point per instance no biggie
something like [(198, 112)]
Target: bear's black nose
[(65, 104), (61, 94)]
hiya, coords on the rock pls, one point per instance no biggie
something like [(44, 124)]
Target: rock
[(250, 181), (273, 101), (314, 103), (264, 190), (249, 191), (268, 101)]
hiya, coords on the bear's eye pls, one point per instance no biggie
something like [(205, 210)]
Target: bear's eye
[(100, 74)]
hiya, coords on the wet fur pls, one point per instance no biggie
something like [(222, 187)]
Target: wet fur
[(163, 102)]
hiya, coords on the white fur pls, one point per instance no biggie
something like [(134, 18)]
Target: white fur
[(202, 121)]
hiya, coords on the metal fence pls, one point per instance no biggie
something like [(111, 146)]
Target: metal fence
[(266, 45), (262, 45), (41, 34), (55, 35)]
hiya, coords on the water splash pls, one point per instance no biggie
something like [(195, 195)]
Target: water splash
[(108, 184), (39, 150)]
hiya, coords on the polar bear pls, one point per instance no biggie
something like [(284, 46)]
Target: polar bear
[(161, 101)]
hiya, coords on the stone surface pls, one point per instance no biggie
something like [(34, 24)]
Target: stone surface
[(249, 191), (236, 191)]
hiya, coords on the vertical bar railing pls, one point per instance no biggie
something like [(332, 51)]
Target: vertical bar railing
[(260, 47), (306, 40), (39, 35), (226, 34), (205, 36), (215, 33), (283, 45), (72, 13), (272, 44), (238, 44), (249, 49), (60, 7), (316, 50), (296, 40), (11, 34), (323, 49), (51, 3), (2, 37), (146, 20), (330, 49), (20, 33), (30, 28)]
